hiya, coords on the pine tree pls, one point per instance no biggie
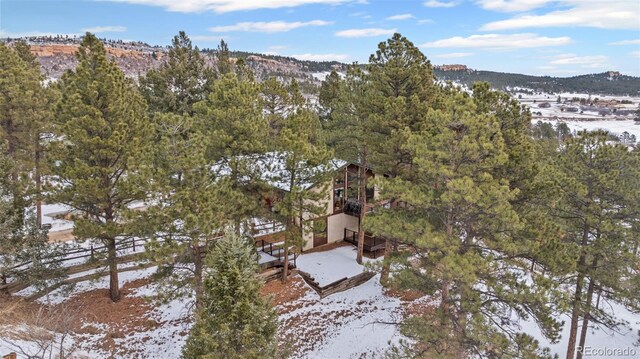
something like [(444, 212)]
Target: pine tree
[(186, 221), (180, 82), (597, 205), (236, 321), (352, 132), (330, 92), (303, 161), (191, 214), (275, 100), (236, 133), (45, 272), (223, 58), (40, 123), (402, 88), (102, 163), (458, 220), (9, 219), (24, 107)]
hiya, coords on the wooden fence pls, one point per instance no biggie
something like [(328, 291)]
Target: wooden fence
[(338, 286), (90, 253)]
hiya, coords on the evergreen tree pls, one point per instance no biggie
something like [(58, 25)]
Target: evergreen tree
[(190, 216), (402, 88), (223, 59), (597, 209), (9, 220), (276, 102), (237, 137), (236, 321), (186, 221), (352, 131), (330, 92), (180, 82), (456, 215), (24, 107), (302, 160), (45, 272), (102, 163)]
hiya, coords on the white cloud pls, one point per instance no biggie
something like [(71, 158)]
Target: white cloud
[(453, 55), (321, 57), (360, 14), (625, 42), (604, 14), (370, 32), (99, 29), (597, 61), (222, 6), (401, 17), (437, 3), (635, 54), (512, 5), (499, 41), (268, 27), (425, 21)]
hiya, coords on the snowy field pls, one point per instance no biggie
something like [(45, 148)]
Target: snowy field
[(343, 325), (613, 126), (330, 266)]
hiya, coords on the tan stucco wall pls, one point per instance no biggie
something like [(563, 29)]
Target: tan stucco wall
[(336, 225), (335, 229)]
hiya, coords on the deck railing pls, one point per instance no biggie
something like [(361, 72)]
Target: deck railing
[(371, 243)]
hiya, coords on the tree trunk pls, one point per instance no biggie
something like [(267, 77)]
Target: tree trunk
[(384, 275), (575, 313), (585, 319), (577, 298), (285, 269), (362, 191), (197, 275), (38, 180), (114, 286)]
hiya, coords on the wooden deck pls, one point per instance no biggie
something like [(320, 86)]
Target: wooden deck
[(371, 244)]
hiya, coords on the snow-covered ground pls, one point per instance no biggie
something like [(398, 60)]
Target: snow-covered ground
[(344, 325), (330, 266), (348, 324), (627, 335), (613, 126)]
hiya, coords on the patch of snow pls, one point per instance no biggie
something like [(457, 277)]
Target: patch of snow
[(329, 266), (615, 127), (351, 323), (626, 335)]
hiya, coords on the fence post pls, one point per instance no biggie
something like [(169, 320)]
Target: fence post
[(134, 244), (92, 257)]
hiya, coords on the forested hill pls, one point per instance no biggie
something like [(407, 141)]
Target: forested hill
[(56, 54), (610, 83)]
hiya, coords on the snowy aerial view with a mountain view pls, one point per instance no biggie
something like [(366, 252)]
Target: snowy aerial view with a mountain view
[(322, 179)]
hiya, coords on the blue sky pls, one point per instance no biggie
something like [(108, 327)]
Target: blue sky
[(543, 37)]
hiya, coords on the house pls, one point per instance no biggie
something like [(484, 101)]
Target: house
[(339, 220)]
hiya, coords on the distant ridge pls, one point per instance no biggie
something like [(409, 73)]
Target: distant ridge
[(605, 83), (136, 58)]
